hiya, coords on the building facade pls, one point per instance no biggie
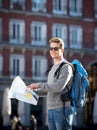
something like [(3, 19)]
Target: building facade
[(25, 29)]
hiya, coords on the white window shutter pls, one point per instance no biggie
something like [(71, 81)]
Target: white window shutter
[(22, 65), (79, 37), (22, 32), (43, 67)]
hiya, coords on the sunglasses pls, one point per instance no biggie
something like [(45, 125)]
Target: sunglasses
[(54, 48)]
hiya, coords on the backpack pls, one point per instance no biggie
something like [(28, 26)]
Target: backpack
[(79, 85)]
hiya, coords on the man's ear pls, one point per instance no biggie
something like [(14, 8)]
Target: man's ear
[(63, 50)]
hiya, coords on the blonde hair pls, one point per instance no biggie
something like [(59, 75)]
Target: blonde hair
[(58, 41)]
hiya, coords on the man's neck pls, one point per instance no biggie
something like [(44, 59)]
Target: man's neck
[(56, 61)]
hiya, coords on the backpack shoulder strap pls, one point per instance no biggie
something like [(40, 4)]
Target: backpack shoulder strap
[(49, 68), (59, 68)]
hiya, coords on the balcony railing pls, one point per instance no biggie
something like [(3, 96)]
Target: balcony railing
[(22, 41), (12, 75)]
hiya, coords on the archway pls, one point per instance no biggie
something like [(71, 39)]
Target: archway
[(92, 76)]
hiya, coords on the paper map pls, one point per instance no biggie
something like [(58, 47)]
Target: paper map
[(20, 91)]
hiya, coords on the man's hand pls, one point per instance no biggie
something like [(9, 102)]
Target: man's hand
[(33, 86)]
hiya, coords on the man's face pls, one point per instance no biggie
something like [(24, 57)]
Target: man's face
[(55, 51)]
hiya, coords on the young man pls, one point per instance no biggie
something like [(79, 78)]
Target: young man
[(54, 86)]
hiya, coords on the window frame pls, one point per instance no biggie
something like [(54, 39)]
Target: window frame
[(60, 8), (38, 33), (95, 8), (0, 29), (75, 7), (17, 26), (39, 5), (21, 2), (95, 39), (17, 65), (1, 4), (1, 65), (63, 32), (41, 63), (75, 36)]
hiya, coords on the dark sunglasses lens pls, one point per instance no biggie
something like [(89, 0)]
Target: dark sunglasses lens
[(54, 48)]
